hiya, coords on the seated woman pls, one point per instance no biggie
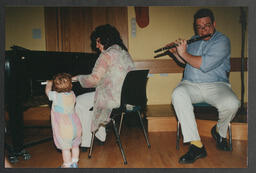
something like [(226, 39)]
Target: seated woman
[(107, 77)]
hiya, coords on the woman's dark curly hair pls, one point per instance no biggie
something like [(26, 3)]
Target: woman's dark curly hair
[(108, 36), (62, 82)]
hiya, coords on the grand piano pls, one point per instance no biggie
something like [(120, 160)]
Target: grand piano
[(24, 71)]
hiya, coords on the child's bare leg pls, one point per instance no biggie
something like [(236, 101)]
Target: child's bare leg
[(75, 154), (66, 155)]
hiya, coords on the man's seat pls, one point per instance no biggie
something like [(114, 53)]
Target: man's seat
[(203, 105), (133, 99)]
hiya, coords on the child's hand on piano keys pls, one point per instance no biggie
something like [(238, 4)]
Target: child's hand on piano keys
[(49, 83), (74, 79)]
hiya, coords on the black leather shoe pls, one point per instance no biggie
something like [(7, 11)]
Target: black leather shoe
[(221, 142), (84, 149), (193, 154)]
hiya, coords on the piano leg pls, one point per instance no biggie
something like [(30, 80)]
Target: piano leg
[(16, 127)]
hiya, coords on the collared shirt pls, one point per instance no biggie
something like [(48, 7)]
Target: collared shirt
[(215, 55)]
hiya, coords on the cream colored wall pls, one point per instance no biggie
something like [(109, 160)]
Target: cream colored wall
[(166, 24), (20, 22)]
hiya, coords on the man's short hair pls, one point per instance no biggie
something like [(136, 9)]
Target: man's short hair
[(204, 12)]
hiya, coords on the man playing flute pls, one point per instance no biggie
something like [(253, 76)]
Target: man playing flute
[(205, 79)]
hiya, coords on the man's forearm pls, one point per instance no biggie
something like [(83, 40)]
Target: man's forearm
[(179, 58), (194, 61)]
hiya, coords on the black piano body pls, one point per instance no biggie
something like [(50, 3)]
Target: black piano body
[(24, 72)]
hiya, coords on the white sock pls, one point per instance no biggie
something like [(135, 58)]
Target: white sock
[(67, 164)]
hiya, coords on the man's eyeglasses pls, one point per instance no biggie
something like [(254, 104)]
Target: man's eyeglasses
[(199, 27)]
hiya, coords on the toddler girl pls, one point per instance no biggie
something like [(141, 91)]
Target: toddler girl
[(66, 125)]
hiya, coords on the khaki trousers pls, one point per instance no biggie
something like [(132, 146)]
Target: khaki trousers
[(218, 94)]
